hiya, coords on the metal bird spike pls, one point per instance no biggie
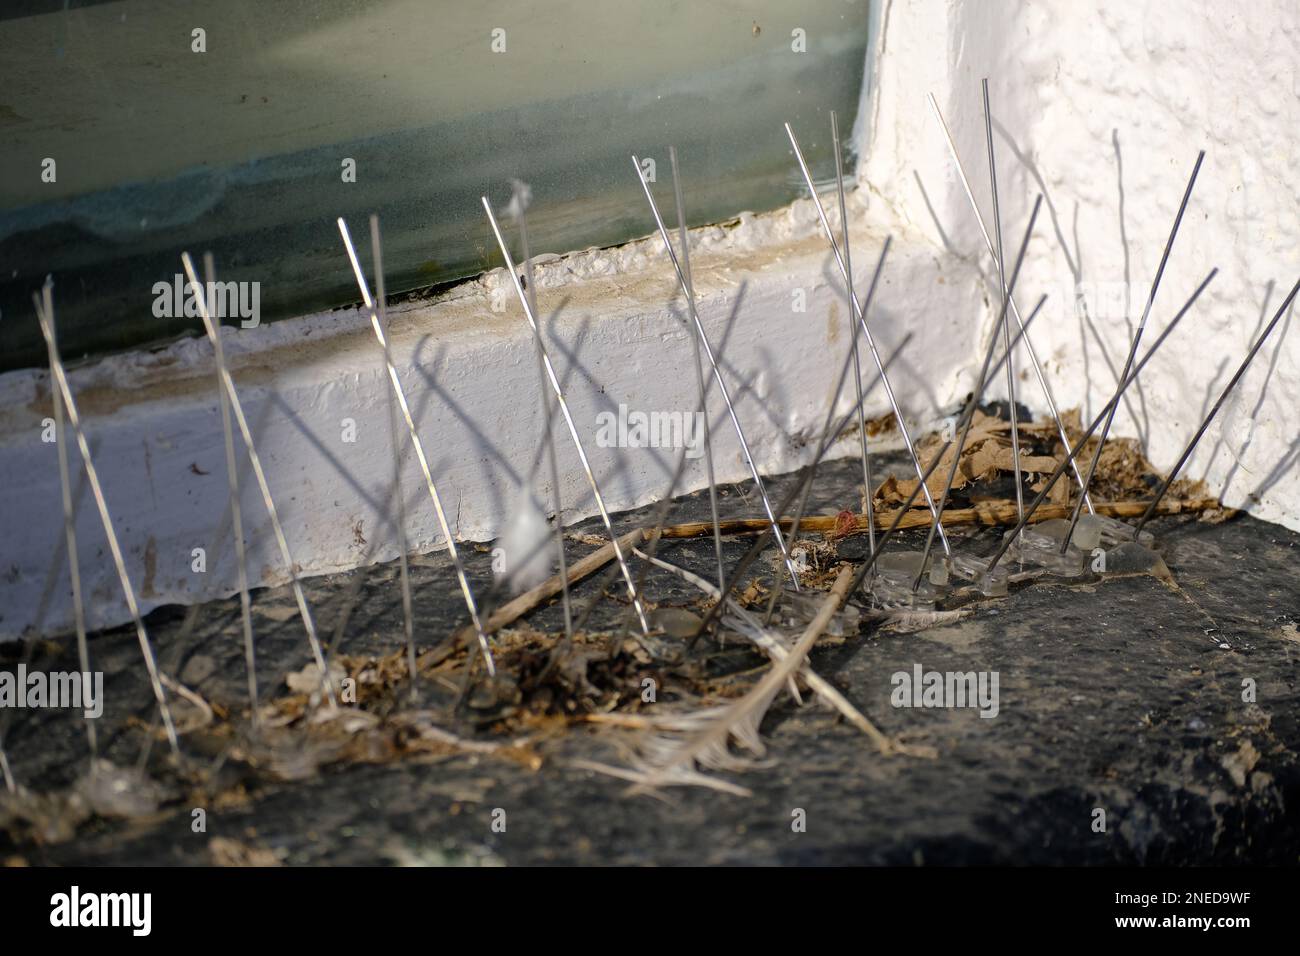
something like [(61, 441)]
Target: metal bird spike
[(1005, 322), (236, 520), (903, 509), (60, 379), (69, 526), (394, 439), (223, 374), (666, 500), (866, 330), (400, 394), (683, 240), (1191, 445), (834, 427), (967, 417), (46, 302), (717, 374), (968, 414), (1137, 337), (521, 197), (1096, 423), (868, 497), (568, 420), (1015, 311), (855, 334), (850, 361)]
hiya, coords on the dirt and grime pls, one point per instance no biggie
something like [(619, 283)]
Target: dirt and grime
[(1168, 709)]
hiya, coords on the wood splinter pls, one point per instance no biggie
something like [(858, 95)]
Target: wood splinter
[(990, 513)]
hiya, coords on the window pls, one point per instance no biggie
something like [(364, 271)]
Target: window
[(135, 130)]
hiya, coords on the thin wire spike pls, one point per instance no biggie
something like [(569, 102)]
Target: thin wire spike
[(683, 240), (855, 333), (568, 420), (1137, 337), (1096, 423), (968, 414), (394, 439), (180, 641), (903, 509), (115, 549), (862, 396), (717, 374), (857, 363), (1015, 311), (246, 433), (665, 501), (1005, 322), (237, 521), (46, 302), (866, 330), (400, 394), (548, 434), (1191, 445), (967, 417), (800, 486)]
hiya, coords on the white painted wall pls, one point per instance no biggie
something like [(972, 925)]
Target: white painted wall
[(1102, 108)]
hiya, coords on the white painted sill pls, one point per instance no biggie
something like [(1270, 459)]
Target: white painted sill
[(470, 375)]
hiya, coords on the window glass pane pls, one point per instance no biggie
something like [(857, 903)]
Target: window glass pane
[(242, 146)]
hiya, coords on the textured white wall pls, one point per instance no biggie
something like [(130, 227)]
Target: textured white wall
[(1102, 108)]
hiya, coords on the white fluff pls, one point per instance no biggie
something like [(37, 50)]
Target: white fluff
[(526, 548), (521, 197)]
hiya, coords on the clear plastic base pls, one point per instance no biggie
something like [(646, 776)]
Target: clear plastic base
[(1132, 558), (968, 567), (1087, 534), (896, 572), (1041, 548), (797, 608), (1110, 532)]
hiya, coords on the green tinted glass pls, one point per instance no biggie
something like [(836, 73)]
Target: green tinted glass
[(130, 137)]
